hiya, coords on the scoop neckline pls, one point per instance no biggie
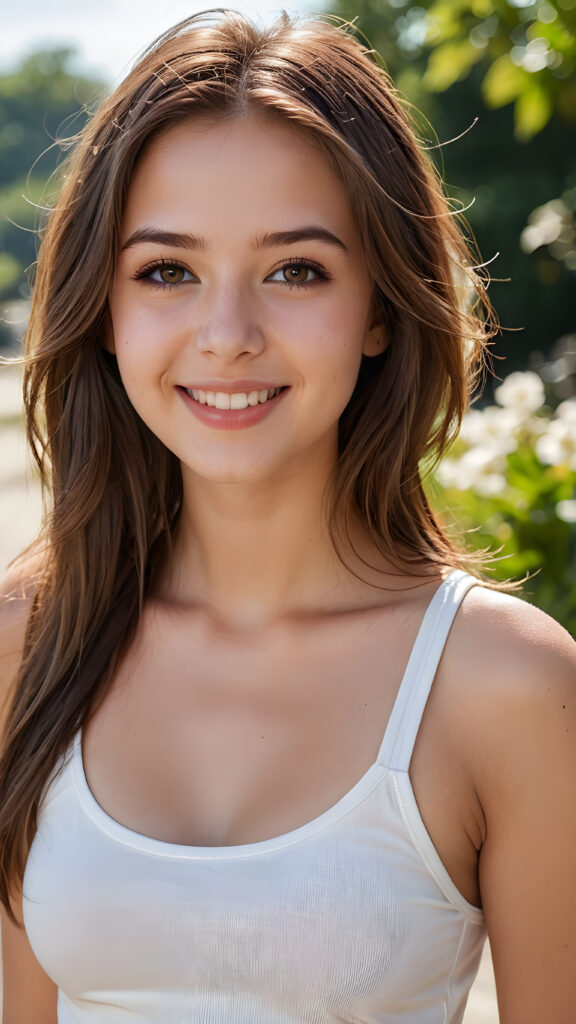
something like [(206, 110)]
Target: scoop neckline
[(160, 847), (371, 778)]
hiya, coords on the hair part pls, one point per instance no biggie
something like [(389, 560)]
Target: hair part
[(112, 505)]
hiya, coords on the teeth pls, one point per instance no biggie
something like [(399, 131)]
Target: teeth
[(237, 400)]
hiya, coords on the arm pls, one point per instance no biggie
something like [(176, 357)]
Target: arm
[(29, 995), (524, 764)]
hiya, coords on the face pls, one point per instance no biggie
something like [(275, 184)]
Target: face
[(241, 304)]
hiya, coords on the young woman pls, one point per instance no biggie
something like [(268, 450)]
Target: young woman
[(271, 754)]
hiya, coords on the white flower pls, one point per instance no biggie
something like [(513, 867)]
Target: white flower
[(557, 447), (567, 410), (448, 473), (545, 223), (566, 510), (479, 469), (492, 427), (535, 426), (523, 392)]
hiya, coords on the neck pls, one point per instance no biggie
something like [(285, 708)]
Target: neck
[(255, 554)]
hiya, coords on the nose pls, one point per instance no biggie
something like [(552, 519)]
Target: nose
[(228, 325)]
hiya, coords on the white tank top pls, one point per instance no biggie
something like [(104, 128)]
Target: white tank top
[(350, 918)]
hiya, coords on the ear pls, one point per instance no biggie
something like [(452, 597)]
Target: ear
[(376, 340)]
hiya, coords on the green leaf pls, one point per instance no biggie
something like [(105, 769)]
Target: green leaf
[(449, 63), (558, 36), (443, 22), (504, 82), (10, 273), (533, 110), (482, 8)]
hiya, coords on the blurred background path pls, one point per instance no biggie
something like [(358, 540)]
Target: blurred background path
[(20, 501)]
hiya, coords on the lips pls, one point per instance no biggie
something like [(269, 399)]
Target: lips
[(233, 407)]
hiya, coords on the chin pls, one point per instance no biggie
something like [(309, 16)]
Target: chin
[(237, 474)]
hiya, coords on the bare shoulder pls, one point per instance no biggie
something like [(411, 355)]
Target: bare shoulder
[(511, 672), (504, 638), (17, 591)]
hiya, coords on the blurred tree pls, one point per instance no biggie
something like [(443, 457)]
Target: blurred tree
[(526, 49), (512, 65), (41, 101)]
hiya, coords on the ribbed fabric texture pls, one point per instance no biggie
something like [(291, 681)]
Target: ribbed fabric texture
[(350, 918)]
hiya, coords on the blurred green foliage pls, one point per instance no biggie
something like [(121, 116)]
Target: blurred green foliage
[(523, 534), (41, 101), (510, 64), (526, 49), (510, 481)]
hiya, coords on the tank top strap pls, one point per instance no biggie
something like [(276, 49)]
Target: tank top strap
[(404, 722)]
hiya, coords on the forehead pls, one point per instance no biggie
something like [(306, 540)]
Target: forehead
[(241, 173)]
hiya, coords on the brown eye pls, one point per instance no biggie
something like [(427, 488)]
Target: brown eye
[(299, 273), (171, 274), (296, 273), (164, 274)]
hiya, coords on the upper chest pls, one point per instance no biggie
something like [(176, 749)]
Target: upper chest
[(212, 740), (204, 734)]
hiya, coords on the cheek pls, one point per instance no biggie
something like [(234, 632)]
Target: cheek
[(337, 349), (139, 342)]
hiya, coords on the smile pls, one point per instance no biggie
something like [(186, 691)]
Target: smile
[(234, 400), (232, 410)]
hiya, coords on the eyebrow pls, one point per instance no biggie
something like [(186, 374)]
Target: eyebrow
[(309, 233)]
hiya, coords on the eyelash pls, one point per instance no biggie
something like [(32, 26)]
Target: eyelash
[(301, 261), (145, 273)]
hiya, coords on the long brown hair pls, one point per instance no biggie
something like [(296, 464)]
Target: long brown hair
[(114, 490)]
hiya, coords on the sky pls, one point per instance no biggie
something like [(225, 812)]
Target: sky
[(108, 34)]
